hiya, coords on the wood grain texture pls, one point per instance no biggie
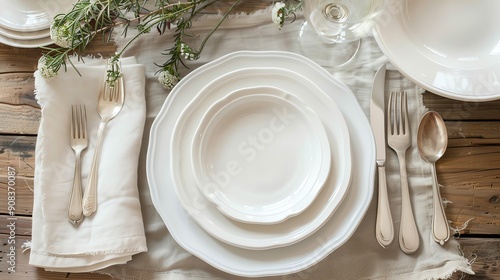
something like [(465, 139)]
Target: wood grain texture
[(469, 171)]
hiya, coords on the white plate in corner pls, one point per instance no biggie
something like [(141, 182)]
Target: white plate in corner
[(449, 47), (260, 154), (277, 261), (31, 15)]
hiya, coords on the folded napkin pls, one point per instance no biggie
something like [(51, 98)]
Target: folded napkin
[(115, 231)]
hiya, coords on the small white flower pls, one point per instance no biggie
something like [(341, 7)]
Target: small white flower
[(278, 14), (167, 80), (61, 34), (46, 71), (188, 52)]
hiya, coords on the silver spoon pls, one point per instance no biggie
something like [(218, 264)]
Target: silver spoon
[(432, 139)]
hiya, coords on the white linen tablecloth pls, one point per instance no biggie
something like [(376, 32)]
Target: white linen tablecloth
[(361, 257)]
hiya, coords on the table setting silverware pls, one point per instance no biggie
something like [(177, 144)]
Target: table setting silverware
[(110, 102), (384, 228), (79, 141), (432, 140), (399, 139)]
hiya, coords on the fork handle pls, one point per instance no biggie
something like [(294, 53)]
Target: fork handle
[(440, 228), (384, 228), (75, 214), (409, 240), (90, 195)]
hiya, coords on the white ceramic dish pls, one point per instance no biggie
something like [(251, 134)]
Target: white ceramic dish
[(18, 35), (277, 261), (259, 237), (30, 15), (449, 47), (260, 154), (35, 43)]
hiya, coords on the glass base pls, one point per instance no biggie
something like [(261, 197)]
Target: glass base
[(326, 53)]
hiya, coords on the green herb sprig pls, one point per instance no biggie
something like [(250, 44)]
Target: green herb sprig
[(75, 30)]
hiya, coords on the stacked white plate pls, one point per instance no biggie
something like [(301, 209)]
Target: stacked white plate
[(26, 23), (257, 156)]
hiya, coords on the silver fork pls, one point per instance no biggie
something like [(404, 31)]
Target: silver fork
[(79, 141), (399, 139), (110, 102)]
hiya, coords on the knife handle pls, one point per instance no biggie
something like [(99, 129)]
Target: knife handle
[(384, 228)]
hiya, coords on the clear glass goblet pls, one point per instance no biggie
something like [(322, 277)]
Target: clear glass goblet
[(332, 32)]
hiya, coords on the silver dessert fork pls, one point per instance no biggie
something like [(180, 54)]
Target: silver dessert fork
[(79, 141), (111, 99), (399, 139)]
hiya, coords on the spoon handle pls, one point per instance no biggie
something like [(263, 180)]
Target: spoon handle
[(440, 228), (384, 229), (409, 239)]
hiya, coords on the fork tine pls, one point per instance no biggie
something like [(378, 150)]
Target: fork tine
[(404, 114), (82, 122), (78, 125), (116, 92), (400, 113), (72, 126), (391, 120)]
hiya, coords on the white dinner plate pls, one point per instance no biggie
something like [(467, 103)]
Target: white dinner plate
[(31, 15), (449, 47), (260, 154), (277, 261), (35, 43), (260, 237)]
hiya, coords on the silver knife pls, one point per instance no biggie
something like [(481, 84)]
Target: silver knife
[(384, 228)]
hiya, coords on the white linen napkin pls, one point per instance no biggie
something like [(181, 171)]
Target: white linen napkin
[(115, 231)]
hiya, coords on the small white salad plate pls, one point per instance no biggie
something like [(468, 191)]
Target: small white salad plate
[(449, 47), (31, 15), (261, 155), (294, 74)]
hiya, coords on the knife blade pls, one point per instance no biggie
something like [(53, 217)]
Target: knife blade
[(384, 228)]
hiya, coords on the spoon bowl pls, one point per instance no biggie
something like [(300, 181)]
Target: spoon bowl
[(432, 140)]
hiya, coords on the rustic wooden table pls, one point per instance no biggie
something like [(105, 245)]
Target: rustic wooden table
[(469, 171)]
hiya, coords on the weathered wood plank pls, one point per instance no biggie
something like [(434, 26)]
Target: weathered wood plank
[(486, 130), (486, 266), (22, 228), (14, 60), (23, 195), (17, 153), (461, 159), (459, 110), (22, 119), (17, 89)]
